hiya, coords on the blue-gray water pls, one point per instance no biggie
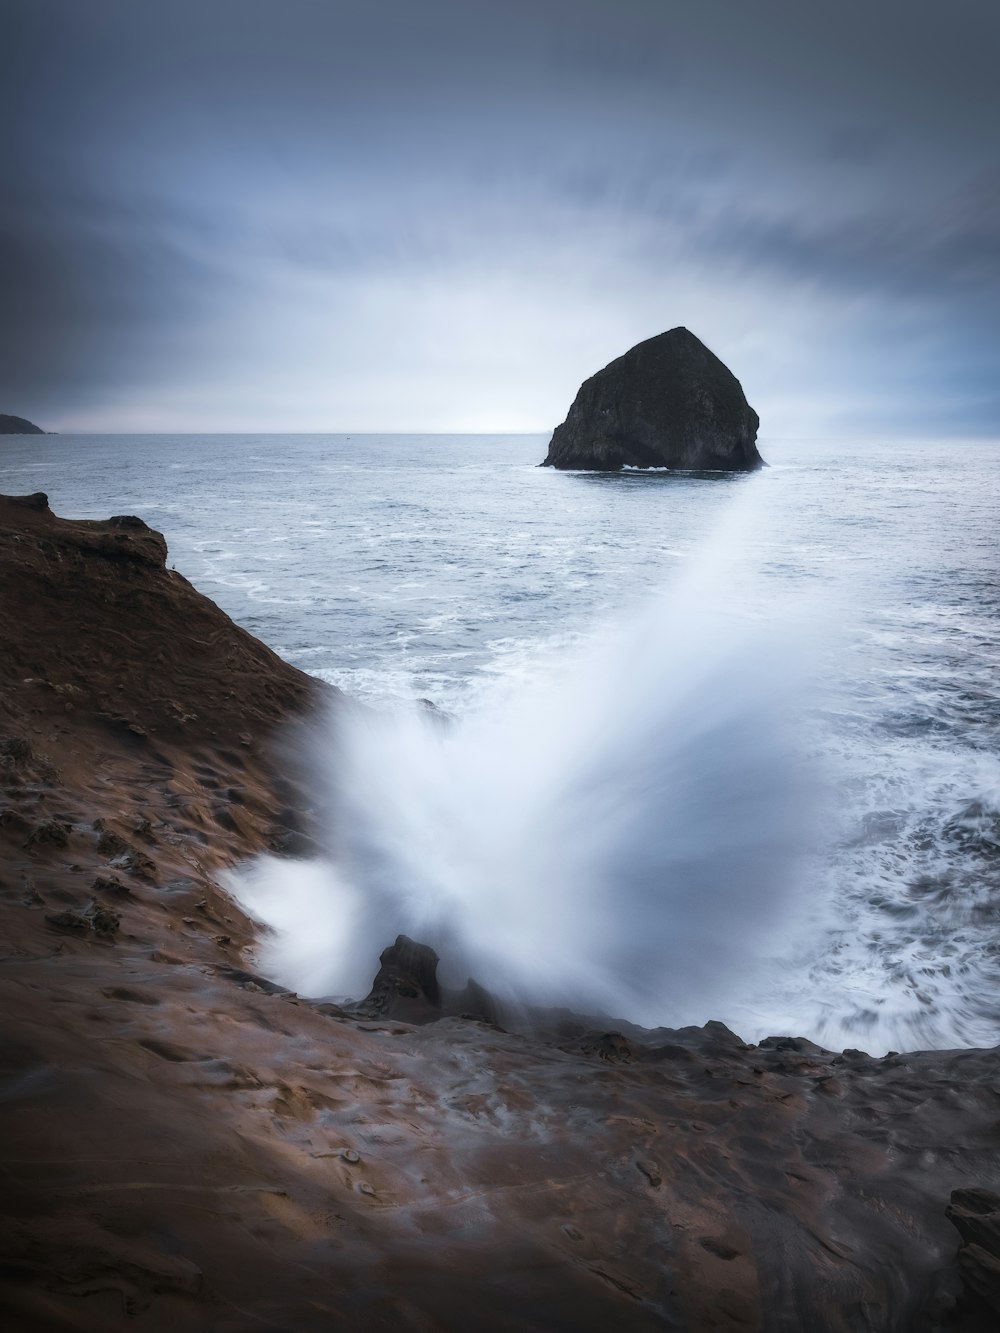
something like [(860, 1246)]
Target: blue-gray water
[(453, 569)]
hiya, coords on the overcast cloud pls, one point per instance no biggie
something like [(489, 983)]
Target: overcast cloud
[(315, 215)]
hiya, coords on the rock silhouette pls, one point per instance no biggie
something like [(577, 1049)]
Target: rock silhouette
[(18, 426), (667, 403)]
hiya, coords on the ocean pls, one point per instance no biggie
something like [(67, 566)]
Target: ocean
[(759, 776)]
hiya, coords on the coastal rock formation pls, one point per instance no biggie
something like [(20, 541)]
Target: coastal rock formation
[(406, 980), (18, 426), (90, 614), (189, 1145), (669, 402), (406, 987)]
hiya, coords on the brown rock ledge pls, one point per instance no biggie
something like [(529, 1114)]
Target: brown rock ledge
[(185, 1145)]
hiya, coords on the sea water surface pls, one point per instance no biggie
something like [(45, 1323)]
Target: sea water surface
[(860, 579)]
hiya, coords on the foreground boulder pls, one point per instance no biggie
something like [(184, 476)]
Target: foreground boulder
[(669, 402)]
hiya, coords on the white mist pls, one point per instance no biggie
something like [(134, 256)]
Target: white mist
[(622, 836)]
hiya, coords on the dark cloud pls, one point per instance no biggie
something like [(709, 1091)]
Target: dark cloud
[(948, 252), (92, 292), (858, 144), (330, 199)]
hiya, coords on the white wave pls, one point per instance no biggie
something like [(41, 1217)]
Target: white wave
[(621, 835)]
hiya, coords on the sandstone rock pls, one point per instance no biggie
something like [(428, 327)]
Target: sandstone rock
[(91, 612), (167, 1113), (69, 920), (103, 921)]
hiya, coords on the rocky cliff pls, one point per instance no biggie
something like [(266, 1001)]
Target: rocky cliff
[(187, 1145), (669, 402)]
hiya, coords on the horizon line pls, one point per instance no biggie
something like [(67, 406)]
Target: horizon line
[(979, 437)]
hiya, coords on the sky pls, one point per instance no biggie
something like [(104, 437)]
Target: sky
[(427, 215)]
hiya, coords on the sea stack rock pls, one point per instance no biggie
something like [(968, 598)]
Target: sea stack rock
[(669, 402), (18, 426)]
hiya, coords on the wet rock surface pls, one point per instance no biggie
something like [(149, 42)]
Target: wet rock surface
[(406, 981), (406, 987), (669, 402), (976, 1215), (188, 1145)]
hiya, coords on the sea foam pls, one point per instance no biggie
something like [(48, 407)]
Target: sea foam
[(621, 835)]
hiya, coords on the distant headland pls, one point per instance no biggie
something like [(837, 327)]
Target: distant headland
[(669, 402), (18, 426)]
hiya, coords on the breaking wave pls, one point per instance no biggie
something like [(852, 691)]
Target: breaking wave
[(622, 835)]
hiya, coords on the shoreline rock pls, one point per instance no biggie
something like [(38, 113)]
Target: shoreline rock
[(668, 402), (190, 1145), (93, 621)]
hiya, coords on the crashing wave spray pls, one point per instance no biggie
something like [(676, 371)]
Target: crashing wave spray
[(622, 836)]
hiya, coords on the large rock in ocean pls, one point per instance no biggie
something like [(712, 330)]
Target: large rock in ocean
[(18, 426), (669, 402)]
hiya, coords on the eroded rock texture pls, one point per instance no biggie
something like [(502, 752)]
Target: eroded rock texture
[(188, 1145)]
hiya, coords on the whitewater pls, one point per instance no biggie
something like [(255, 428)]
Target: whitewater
[(702, 746)]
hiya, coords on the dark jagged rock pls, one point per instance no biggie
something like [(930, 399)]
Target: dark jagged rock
[(406, 985), (18, 426), (669, 402), (407, 989), (475, 1001), (975, 1213)]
